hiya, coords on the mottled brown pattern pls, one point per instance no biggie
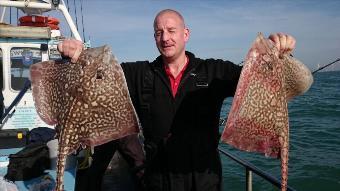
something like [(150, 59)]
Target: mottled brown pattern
[(88, 100), (258, 119)]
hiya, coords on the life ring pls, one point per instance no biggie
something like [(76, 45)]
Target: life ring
[(52, 26), (52, 20), (33, 19), (38, 19)]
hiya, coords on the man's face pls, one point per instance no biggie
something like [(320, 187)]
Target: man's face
[(170, 35)]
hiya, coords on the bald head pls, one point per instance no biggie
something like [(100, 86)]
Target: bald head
[(169, 12), (171, 35)]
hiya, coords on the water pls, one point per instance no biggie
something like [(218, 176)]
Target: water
[(314, 156)]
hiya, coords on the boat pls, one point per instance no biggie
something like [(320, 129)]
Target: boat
[(32, 39)]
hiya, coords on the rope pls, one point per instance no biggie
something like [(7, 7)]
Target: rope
[(68, 10), (75, 12), (10, 15), (17, 16), (82, 19)]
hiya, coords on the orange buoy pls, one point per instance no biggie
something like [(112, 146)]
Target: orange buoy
[(52, 26), (33, 19), (39, 21), (52, 20)]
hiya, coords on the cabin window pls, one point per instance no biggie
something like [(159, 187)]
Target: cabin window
[(54, 54), (21, 60)]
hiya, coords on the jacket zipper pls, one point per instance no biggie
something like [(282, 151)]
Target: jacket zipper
[(185, 78)]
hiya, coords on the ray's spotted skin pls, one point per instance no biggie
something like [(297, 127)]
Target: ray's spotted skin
[(89, 101), (258, 118)]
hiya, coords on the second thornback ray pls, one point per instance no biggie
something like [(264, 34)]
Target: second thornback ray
[(258, 118)]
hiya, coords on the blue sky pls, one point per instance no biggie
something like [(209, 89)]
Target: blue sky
[(219, 28)]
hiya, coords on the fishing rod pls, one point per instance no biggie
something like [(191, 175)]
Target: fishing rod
[(325, 66)]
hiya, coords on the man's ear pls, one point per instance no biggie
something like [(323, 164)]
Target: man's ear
[(186, 34)]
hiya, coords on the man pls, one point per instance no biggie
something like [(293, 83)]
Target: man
[(178, 98)]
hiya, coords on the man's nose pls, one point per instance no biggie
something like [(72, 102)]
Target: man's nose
[(165, 36)]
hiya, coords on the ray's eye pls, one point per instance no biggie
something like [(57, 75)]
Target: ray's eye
[(100, 74), (269, 66)]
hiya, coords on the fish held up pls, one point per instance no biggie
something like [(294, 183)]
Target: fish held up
[(258, 118), (87, 101)]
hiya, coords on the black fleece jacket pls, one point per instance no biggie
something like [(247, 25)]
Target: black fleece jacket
[(184, 127)]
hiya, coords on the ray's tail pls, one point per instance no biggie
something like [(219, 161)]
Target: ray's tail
[(62, 155), (284, 161)]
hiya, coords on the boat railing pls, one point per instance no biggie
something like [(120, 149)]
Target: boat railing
[(250, 168)]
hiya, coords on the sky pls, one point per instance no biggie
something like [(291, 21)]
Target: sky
[(222, 29)]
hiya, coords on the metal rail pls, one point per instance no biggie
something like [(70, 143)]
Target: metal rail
[(251, 168), (47, 6)]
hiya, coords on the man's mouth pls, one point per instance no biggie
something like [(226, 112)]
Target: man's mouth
[(167, 46)]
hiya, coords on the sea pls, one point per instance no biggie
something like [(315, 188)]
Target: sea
[(314, 153)]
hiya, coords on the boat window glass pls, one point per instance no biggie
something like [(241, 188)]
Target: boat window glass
[(1, 71), (54, 54), (21, 60)]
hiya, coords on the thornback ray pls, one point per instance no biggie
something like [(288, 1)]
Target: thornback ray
[(88, 101), (258, 118)]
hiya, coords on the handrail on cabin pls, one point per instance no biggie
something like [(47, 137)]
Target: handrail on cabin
[(16, 100), (251, 168)]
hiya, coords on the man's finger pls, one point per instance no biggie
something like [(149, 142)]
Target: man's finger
[(60, 47), (276, 40), (66, 48), (283, 42), (290, 43), (76, 55)]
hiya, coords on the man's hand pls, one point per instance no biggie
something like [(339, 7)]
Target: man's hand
[(71, 48), (283, 42)]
